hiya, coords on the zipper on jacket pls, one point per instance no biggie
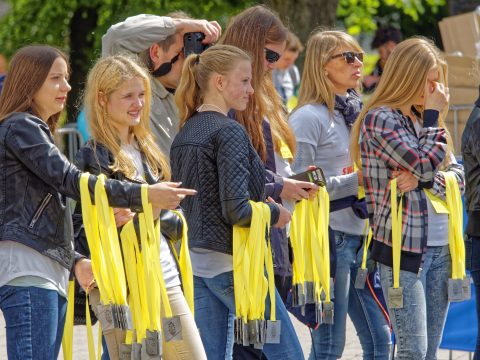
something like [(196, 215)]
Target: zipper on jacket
[(40, 209)]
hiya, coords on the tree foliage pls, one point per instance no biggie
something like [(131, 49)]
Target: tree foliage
[(360, 15), (77, 26)]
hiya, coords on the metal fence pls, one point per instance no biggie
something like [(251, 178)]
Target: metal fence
[(69, 140), (457, 137)]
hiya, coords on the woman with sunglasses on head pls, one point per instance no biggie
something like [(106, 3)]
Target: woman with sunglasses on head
[(117, 104), (400, 134), (328, 105), (36, 241)]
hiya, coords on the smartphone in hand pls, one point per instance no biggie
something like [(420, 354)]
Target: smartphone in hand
[(315, 176)]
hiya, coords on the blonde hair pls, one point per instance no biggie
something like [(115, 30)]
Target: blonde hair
[(251, 30), (106, 76), (196, 73), (402, 82), (316, 87)]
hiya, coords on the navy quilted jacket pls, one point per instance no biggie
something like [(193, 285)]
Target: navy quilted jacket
[(213, 155)]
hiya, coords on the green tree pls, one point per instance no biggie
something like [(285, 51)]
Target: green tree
[(77, 26), (362, 15)]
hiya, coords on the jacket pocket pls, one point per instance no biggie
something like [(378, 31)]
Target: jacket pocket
[(40, 210)]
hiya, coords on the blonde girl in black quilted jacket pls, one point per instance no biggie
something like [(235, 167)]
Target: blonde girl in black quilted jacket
[(213, 154)]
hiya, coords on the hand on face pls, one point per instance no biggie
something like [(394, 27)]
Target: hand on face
[(436, 96)]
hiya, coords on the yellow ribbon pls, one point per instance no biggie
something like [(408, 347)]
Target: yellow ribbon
[(310, 243), (185, 264), (102, 238), (452, 206), (252, 256), (397, 218), (285, 151), (67, 340)]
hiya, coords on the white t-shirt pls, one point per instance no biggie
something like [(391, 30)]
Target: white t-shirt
[(169, 266)]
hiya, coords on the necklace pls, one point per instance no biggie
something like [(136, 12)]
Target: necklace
[(202, 108)]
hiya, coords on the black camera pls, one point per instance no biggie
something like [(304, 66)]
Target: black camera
[(192, 43)]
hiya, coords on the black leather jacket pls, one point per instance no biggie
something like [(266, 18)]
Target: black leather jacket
[(96, 158), (471, 163), (213, 155), (35, 179)]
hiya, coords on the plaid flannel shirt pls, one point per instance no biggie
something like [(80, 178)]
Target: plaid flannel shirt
[(388, 142)]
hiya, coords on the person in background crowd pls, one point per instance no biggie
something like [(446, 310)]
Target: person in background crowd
[(385, 40), (3, 70), (401, 134), (117, 99), (328, 106), (158, 40), (213, 154), (471, 161), (286, 76), (260, 32), (36, 237)]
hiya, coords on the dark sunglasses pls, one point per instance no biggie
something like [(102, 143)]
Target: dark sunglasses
[(271, 56), (349, 56)]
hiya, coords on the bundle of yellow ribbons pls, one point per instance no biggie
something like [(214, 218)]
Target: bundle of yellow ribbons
[(252, 255), (459, 283), (136, 332), (311, 255)]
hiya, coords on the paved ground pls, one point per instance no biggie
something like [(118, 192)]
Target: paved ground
[(352, 348)]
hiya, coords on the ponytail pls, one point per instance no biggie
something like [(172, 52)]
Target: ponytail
[(187, 95)]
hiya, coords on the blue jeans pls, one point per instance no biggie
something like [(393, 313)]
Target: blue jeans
[(328, 341), (418, 326), (215, 314), (475, 272), (34, 320)]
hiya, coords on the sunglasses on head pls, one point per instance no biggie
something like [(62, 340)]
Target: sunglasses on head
[(271, 56), (349, 56)]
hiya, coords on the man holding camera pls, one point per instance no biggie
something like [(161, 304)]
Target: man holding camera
[(158, 41)]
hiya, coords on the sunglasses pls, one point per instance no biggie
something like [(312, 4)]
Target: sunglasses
[(349, 56), (271, 56)]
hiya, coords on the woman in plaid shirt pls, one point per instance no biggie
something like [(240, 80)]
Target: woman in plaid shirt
[(400, 134)]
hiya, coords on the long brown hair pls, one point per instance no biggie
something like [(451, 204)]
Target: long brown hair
[(250, 31), (28, 71), (196, 73), (403, 80), (106, 76)]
